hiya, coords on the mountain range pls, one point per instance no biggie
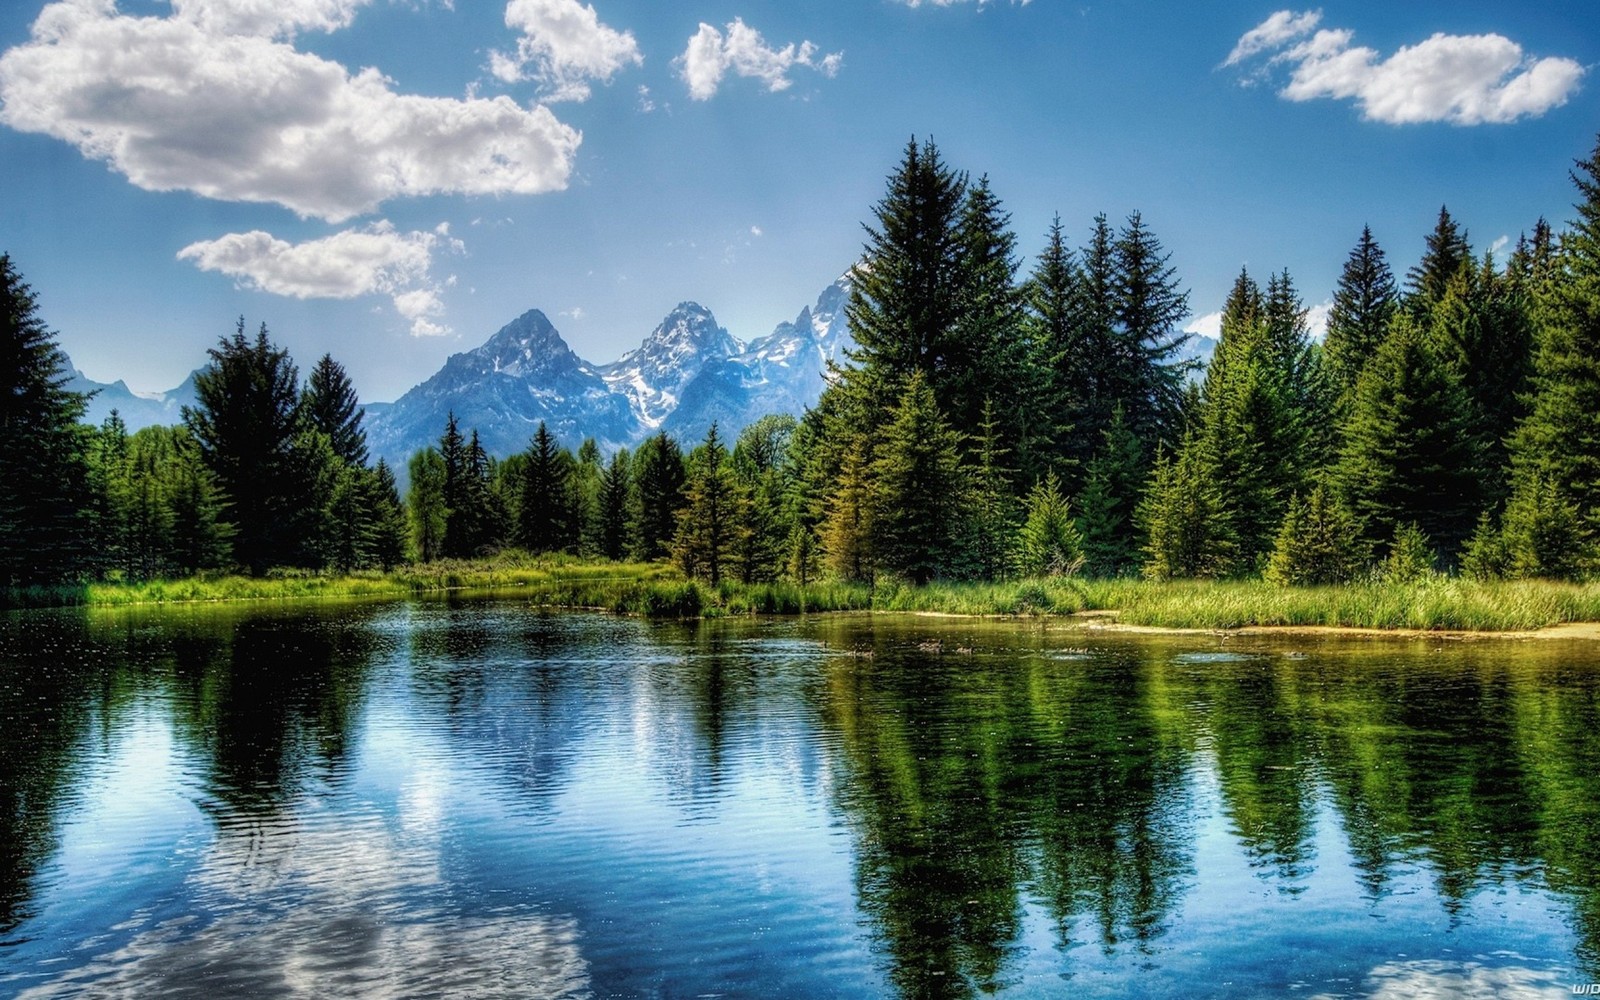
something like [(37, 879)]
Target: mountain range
[(688, 372)]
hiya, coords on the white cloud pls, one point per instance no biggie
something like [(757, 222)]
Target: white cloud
[(755, 231), (375, 259), (1209, 325), (647, 104), (710, 55), (1461, 79), (563, 46), (1317, 319), (1284, 26), (207, 101)]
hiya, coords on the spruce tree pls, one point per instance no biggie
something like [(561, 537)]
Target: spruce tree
[(1363, 304), (988, 355), (1319, 543), (1149, 306), (330, 403), (1181, 513), (1108, 505), (1557, 446), (615, 484), (1447, 251), (426, 508), (1061, 366), (1408, 453), (1545, 534), (991, 522), (44, 491), (542, 516), (1048, 543), (849, 526), (658, 487), (704, 542), (918, 469), (388, 516), (245, 421), (202, 534)]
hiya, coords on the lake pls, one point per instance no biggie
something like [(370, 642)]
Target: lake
[(473, 798)]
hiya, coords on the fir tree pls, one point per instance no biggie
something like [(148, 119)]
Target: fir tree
[(389, 528), (330, 403), (44, 537), (1447, 251), (202, 535), (706, 528), (1062, 369), (991, 526), (1149, 307), (1558, 443), (988, 355), (245, 422), (658, 487), (542, 516), (615, 483), (1363, 304), (1408, 452), (1048, 543), (1545, 533), (425, 504), (849, 524), (918, 469), (1319, 543), (1108, 505), (1181, 513), (1410, 557)]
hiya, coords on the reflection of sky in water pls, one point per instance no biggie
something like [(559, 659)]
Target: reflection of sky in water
[(532, 806)]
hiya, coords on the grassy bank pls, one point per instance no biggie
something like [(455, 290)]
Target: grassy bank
[(656, 590)]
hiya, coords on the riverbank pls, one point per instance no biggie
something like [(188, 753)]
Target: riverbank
[(1435, 604)]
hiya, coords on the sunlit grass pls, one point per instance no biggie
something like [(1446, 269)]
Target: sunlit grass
[(659, 590)]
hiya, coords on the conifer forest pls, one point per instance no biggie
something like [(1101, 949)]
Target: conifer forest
[(998, 418)]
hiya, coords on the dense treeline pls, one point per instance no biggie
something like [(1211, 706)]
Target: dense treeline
[(992, 421)]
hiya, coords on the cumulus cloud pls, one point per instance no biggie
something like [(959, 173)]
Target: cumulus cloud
[(711, 55), (375, 259), (1461, 79), (212, 100), (563, 46)]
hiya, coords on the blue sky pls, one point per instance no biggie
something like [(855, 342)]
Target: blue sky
[(392, 180)]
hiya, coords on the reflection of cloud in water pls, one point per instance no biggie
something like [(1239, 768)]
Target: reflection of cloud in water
[(296, 910), (1429, 979)]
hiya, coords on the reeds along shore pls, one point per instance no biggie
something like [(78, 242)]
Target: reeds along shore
[(659, 590)]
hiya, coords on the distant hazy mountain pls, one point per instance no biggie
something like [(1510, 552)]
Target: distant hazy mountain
[(688, 372), (137, 409)]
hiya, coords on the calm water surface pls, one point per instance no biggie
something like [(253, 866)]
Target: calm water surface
[(475, 799)]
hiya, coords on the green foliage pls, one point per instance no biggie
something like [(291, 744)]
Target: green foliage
[(1408, 453), (245, 422), (615, 485), (920, 482), (329, 402), (1108, 505), (1410, 556), (1049, 543), (544, 514), (1363, 304), (1486, 556), (1447, 252), (1182, 517), (425, 504), (1319, 543), (388, 515), (849, 526), (658, 478), (1545, 534), (706, 529), (991, 506)]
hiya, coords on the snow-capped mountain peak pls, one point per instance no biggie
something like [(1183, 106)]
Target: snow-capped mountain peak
[(654, 374)]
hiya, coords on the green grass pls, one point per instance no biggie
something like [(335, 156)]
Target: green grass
[(659, 591)]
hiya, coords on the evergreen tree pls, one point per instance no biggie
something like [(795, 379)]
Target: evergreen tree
[(425, 502), (1557, 446), (1410, 557), (245, 422), (330, 403), (991, 528), (1447, 251), (202, 533), (1149, 378), (1545, 534), (1486, 556), (765, 477), (1108, 505), (587, 473), (658, 486), (1061, 384), (1048, 543), (1318, 544), (389, 528), (318, 534), (906, 301), (1182, 516), (1363, 304), (150, 521), (918, 469), (111, 492), (988, 354), (542, 518), (706, 529), (615, 484), (849, 525), (353, 535), (1408, 453)]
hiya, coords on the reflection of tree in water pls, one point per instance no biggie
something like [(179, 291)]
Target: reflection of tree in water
[(1255, 713), (973, 778), (271, 701), (49, 692)]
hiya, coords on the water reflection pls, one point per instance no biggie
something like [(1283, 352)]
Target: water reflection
[(477, 798)]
